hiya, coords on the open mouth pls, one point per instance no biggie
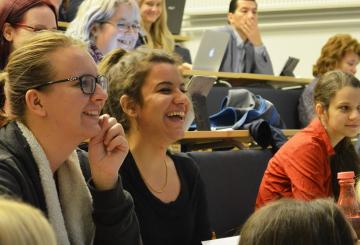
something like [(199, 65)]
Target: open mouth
[(176, 115)]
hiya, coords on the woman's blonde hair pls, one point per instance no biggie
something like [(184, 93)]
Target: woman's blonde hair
[(333, 52), (30, 66), (21, 224), (159, 35)]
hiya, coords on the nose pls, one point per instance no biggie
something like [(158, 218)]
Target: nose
[(355, 114), (100, 95), (181, 98)]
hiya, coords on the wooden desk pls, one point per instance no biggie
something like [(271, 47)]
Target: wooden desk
[(195, 140), (240, 79)]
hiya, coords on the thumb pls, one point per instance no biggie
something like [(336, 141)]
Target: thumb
[(103, 121)]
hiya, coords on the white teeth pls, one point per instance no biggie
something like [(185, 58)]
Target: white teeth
[(176, 113), (92, 113)]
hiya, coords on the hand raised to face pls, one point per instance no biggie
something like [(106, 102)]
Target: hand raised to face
[(251, 29), (107, 151)]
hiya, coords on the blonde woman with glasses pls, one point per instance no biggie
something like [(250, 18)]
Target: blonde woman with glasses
[(55, 97)]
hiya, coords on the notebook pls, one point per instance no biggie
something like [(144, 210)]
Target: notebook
[(289, 67), (175, 12), (211, 51)]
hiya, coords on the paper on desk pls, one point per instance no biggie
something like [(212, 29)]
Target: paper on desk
[(234, 240), (200, 85)]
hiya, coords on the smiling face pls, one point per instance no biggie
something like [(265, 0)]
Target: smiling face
[(342, 118), (41, 17), (67, 108), (165, 104), (120, 31), (349, 62), (151, 10)]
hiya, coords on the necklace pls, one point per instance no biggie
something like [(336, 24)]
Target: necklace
[(165, 183)]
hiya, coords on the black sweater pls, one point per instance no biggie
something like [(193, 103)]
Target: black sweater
[(113, 213), (183, 221)]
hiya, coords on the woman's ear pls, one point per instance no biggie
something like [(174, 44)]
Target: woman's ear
[(33, 103), (8, 32), (319, 109), (128, 105), (95, 29)]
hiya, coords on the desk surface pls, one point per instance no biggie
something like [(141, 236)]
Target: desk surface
[(214, 139), (238, 79)]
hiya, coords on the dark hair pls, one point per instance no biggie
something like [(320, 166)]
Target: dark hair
[(334, 51), (346, 158), (12, 12), (233, 5), (127, 73), (290, 221)]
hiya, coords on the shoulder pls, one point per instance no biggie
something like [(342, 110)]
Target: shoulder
[(186, 165)]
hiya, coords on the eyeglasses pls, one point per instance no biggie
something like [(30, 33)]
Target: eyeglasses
[(123, 27), (87, 83), (34, 28)]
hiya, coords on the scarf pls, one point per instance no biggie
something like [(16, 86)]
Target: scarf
[(70, 208)]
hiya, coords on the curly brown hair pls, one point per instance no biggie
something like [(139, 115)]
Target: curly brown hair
[(334, 51)]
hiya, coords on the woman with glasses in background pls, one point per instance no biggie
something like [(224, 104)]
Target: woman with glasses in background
[(106, 25), (56, 96), (19, 19)]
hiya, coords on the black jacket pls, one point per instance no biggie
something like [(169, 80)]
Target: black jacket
[(113, 210)]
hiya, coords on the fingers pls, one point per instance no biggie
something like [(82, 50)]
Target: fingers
[(114, 135)]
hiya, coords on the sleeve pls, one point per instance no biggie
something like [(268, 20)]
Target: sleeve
[(306, 104), (308, 173), (8, 180), (262, 61), (114, 217)]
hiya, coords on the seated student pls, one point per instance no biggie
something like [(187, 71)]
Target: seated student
[(55, 96), (168, 192), (21, 224), (19, 20), (301, 169), (106, 25), (156, 33), (245, 51), (340, 52), (295, 222)]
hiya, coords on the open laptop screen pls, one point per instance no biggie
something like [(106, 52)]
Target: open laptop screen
[(175, 12), (211, 50), (289, 67)]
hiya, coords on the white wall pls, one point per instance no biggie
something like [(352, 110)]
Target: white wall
[(298, 33)]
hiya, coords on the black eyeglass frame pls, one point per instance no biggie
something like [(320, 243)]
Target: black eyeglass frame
[(32, 28), (97, 80)]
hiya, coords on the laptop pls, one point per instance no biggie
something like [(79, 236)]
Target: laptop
[(211, 51), (289, 67), (175, 12)]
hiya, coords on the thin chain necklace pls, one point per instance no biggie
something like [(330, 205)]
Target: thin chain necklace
[(162, 189)]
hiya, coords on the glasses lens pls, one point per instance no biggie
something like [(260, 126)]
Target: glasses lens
[(103, 82), (88, 84)]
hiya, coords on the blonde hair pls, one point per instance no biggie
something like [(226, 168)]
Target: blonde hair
[(30, 66), (159, 35), (21, 224)]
